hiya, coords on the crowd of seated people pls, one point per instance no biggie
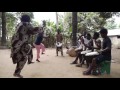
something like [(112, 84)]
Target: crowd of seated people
[(93, 51)]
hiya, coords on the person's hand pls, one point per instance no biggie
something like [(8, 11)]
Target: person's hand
[(99, 51), (91, 47), (88, 46)]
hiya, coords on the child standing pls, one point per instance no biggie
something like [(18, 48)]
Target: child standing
[(39, 45)]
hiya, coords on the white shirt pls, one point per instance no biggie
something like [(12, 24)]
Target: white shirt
[(86, 41)]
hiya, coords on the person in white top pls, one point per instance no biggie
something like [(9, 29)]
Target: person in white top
[(78, 50), (85, 43), (95, 45), (84, 38)]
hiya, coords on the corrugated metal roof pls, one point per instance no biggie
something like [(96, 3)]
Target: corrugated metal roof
[(114, 32)]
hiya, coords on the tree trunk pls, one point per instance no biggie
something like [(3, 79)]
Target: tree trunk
[(74, 28), (3, 40), (56, 20)]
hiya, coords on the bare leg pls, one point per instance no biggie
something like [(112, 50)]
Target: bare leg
[(78, 56), (82, 61), (75, 61), (57, 51), (91, 67), (42, 47), (61, 51)]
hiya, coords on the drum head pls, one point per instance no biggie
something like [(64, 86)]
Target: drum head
[(58, 44), (84, 52), (92, 54)]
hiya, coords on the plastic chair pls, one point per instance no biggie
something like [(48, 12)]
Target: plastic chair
[(105, 67)]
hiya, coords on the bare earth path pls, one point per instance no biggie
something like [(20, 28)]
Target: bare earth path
[(51, 66)]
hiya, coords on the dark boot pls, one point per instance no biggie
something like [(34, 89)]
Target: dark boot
[(18, 75), (37, 60), (43, 53), (30, 62)]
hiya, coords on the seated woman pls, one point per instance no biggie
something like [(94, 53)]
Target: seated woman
[(81, 48), (105, 53), (85, 42), (38, 44)]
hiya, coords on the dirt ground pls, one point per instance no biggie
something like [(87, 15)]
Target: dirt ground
[(52, 66)]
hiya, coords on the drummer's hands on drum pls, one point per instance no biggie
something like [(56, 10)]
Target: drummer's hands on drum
[(88, 46), (100, 51)]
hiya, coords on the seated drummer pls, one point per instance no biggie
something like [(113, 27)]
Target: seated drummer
[(95, 44), (105, 52), (79, 49), (85, 40)]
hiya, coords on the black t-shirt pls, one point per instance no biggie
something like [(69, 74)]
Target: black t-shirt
[(107, 43), (39, 39)]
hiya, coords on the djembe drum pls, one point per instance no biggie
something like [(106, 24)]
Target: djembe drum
[(71, 52)]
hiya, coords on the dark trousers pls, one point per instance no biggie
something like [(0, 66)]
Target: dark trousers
[(20, 65), (22, 62)]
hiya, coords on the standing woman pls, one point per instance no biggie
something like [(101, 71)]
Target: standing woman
[(21, 50), (38, 45)]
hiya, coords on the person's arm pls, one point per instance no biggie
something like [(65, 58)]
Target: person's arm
[(45, 36), (98, 44), (82, 40), (108, 47), (33, 30)]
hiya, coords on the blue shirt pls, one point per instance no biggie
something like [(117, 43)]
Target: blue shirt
[(39, 39)]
